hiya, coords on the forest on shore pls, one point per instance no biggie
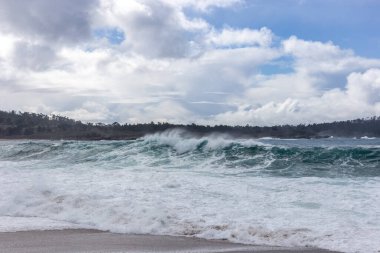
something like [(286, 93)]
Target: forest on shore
[(25, 125)]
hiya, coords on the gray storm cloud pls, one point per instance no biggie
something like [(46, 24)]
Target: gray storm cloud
[(54, 21)]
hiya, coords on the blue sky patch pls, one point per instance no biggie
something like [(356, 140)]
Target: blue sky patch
[(283, 65), (114, 35)]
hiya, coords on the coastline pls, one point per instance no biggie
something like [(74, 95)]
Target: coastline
[(39, 126), (87, 240)]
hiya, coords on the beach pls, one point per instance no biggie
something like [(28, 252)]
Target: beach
[(85, 240)]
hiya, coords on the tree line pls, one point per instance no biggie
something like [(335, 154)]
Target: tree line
[(21, 125)]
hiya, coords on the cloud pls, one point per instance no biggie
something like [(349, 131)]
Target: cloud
[(89, 111), (165, 111), (153, 28), (33, 56), (54, 21), (359, 98), (203, 5), (168, 65), (318, 57), (364, 87), (229, 37)]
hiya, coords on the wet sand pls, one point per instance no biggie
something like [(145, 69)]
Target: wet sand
[(91, 241)]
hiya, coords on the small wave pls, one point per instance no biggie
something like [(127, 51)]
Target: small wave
[(368, 138)]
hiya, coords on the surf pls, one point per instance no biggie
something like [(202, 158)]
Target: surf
[(304, 192)]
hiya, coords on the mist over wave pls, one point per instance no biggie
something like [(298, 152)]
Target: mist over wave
[(321, 193)]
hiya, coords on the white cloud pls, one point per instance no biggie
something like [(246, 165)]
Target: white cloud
[(164, 111), (279, 87), (203, 5), (172, 67), (359, 98), (317, 57), (6, 45), (89, 111), (229, 37), (364, 87), (153, 28)]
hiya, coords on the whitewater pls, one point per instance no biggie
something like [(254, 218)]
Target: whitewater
[(308, 192)]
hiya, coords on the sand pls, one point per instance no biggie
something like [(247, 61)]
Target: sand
[(84, 240)]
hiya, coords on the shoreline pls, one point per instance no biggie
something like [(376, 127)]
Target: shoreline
[(89, 240)]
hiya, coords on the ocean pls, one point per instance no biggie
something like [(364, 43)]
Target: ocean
[(296, 192)]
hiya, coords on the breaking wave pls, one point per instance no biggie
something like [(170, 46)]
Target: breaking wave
[(321, 193), (241, 157)]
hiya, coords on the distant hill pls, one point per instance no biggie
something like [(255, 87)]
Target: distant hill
[(24, 125)]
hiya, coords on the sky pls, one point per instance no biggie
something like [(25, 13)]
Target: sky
[(233, 62)]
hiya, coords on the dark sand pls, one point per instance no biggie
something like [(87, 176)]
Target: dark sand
[(82, 240)]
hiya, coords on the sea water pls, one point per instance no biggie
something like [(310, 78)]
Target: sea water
[(319, 192)]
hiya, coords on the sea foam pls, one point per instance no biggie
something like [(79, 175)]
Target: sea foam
[(320, 193)]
